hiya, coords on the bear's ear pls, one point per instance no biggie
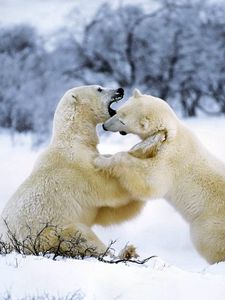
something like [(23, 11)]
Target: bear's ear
[(144, 123), (137, 93), (75, 100)]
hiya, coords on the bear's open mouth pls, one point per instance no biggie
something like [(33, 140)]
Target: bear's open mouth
[(115, 98)]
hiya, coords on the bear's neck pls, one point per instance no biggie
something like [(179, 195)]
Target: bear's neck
[(70, 135)]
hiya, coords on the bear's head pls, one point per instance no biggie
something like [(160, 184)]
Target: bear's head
[(93, 102), (144, 116)]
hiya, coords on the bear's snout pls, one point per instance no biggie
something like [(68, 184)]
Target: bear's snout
[(103, 126)]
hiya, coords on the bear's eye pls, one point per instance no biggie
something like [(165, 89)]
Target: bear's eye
[(100, 90), (122, 122)]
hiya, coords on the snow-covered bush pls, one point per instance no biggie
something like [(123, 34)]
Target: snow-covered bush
[(175, 52)]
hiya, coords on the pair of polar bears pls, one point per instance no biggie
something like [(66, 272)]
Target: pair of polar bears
[(73, 187)]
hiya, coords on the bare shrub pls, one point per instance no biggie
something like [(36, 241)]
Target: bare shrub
[(75, 247), (77, 295)]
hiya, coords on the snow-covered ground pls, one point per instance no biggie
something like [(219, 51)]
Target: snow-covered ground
[(178, 272)]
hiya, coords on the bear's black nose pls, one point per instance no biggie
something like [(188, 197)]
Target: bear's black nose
[(120, 91), (103, 126)]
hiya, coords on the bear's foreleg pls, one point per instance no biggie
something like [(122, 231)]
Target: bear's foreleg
[(115, 215)]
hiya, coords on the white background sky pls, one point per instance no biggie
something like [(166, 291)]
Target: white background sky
[(48, 15)]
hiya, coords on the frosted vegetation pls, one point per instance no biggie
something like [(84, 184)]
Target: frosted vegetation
[(175, 52)]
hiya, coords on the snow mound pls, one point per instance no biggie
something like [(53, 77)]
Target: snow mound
[(178, 272), (25, 276)]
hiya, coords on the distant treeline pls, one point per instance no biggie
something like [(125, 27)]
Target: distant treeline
[(176, 52)]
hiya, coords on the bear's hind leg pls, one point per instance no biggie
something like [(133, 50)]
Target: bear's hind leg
[(81, 240), (209, 239), (71, 240)]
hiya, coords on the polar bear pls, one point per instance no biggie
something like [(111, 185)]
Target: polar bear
[(171, 162), (64, 189)]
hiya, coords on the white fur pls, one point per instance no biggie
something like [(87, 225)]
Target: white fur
[(176, 166), (64, 188)]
